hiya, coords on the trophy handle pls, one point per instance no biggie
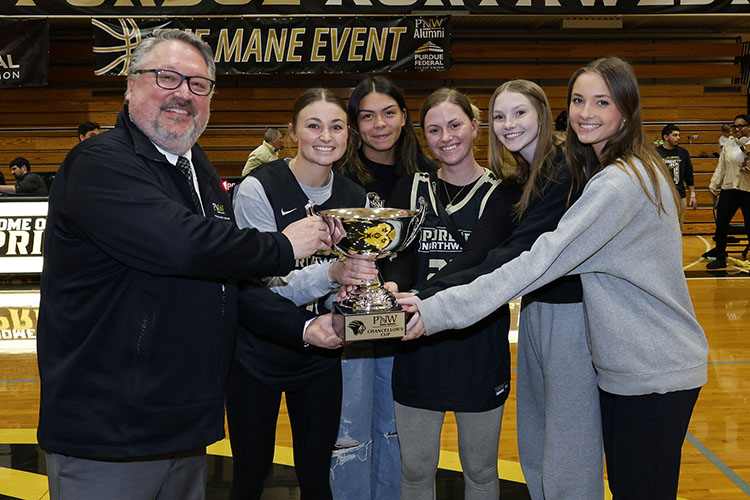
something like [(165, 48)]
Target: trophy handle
[(310, 208), (335, 227), (414, 224)]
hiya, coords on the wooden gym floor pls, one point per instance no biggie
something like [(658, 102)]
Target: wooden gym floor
[(716, 454)]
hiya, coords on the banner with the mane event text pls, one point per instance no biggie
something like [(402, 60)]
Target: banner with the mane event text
[(24, 53), (220, 8), (290, 44)]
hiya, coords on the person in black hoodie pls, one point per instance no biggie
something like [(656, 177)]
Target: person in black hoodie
[(139, 291)]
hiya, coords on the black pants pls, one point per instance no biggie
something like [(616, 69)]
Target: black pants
[(252, 412), (729, 201), (643, 438)]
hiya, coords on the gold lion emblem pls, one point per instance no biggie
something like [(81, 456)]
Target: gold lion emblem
[(379, 236)]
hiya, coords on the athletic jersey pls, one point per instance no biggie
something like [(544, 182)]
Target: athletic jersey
[(277, 365), (466, 370), (436, 246)]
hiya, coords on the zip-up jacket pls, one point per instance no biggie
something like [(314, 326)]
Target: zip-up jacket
[(139, 300)]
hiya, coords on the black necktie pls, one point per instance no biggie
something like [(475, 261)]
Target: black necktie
[(184, 166)]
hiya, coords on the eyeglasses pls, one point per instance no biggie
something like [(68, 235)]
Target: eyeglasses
[(739, 125), (170, 80)]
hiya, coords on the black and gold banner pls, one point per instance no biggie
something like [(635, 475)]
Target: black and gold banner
[(22, 224), (291, 44), (157, 8), (18, 323), (24, 53)]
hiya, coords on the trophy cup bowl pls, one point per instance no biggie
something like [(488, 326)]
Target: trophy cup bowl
[(369, 311)]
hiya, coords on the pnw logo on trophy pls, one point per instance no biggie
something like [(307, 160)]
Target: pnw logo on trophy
[(370, 311)]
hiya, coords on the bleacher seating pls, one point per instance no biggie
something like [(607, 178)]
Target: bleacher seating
[(689, 82)]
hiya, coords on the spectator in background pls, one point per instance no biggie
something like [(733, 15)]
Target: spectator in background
[(268, 151), (26, 182), (731, 184), (681, 168), (726, 133), (87, 130)]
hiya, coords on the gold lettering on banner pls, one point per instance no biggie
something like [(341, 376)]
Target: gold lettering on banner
[(253, 47), (356, 43), (87, 3), (232, 2), (180, 3), (336, 45), (129, 3), (398, 3), (18, 322), (25, 3), (363, 3), (318, 44), (21, 321), (397, 32), (224, 51), (378, 44), (294, 44), (276, 45)]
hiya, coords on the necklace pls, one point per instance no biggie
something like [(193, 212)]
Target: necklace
[(454, 197), (451, 199)]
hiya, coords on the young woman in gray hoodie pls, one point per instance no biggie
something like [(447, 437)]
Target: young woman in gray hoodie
[(622, 237)]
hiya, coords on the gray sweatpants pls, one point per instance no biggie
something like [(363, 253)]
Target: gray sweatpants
[(559, 423), (177, 478), (478, 441)]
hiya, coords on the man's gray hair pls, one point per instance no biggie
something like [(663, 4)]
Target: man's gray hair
[(271, 134), (148, 43)]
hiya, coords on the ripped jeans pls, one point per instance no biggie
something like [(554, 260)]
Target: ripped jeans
[(366, 464)]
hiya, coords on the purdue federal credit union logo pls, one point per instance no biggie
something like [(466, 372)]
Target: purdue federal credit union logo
[(430, 56)]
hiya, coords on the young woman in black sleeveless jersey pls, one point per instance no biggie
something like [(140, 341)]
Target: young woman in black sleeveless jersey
[(467, 372), (271, 197)]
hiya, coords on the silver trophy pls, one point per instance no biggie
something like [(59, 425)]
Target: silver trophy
[(371, 311)]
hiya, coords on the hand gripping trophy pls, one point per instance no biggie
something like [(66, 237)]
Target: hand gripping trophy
[(370, 311)]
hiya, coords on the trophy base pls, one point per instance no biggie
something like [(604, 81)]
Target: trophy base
[(354, 326)]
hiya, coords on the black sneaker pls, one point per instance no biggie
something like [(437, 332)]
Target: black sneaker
[(711, 254), (719, 263)]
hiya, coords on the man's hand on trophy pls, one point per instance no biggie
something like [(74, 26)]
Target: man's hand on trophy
[(415, 327), (353, 270), (320, 333), (307, 236)]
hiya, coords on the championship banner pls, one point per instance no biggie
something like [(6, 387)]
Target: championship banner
[(158, 8), (22, 226), (24, 53), (291, 44)]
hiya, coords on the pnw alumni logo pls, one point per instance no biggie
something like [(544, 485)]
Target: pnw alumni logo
[(429, 56)]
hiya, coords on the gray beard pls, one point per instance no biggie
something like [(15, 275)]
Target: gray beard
[(176, 144)]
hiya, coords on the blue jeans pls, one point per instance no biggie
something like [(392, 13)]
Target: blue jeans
[(366, 464)]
